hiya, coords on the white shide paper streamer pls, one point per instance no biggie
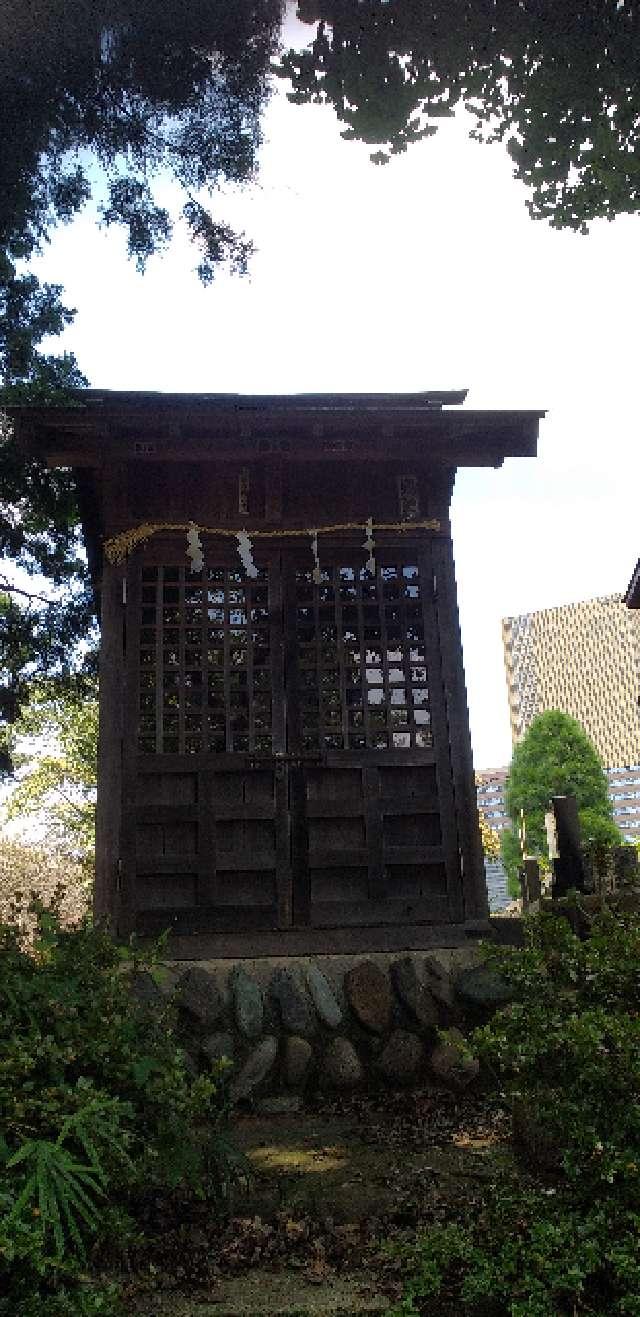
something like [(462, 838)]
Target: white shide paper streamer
[(369, 545), (245, 549), (316, 559), (194, 548)]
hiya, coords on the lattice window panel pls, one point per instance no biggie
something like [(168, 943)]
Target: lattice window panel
[(362, 663), (205, 680)]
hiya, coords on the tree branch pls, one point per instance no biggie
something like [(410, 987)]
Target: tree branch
[(5, 584), (80, 809)]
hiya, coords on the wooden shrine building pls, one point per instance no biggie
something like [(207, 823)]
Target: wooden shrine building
[(285, 763)]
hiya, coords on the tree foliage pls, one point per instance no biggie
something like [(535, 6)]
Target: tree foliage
[(556, 80), (555, 758), (54, 743), (115, 91), (46, 874), (489, 838), (38, 512), (511, 856), (96, 100)]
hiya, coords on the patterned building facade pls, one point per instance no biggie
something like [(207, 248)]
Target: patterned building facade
[(584, 659), (490, 789)]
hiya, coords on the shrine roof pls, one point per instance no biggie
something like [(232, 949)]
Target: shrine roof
[(101, 423), (632, 596)]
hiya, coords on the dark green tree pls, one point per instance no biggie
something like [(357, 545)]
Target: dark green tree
[(557, 80), (97, 97), (38, 514), (103, 94), (554, 758), (511, 856)]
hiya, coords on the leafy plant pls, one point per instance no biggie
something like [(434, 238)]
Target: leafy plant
[(61, 1191), (98, 1111), (560, 1237)]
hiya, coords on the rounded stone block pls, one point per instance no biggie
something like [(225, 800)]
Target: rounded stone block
[(402, 1058), (198, 995), (368, 992), (414, 992), (297, 1061), (341, 1065), (248, 1002), (483, 987), (296, 1009), (218, 1045), (323, 997), (256, 1068), (451, 1062), (438, 978)]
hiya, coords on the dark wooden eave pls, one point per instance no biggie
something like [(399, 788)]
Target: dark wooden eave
[(632, 596), (103, 425)]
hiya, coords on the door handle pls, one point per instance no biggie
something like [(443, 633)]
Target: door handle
[(284, 760)]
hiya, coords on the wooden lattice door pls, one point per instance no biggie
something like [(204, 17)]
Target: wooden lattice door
[(290, 764), (373, 823), (206, 810)]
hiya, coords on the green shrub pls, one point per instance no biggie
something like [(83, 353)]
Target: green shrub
[(98, 1114), (562, 1237)]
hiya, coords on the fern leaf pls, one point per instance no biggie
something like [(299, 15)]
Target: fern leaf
[(25, 1151), (64, 1190), (72, 1226), (70, 1179), (91, 1153), (26, 1195), (48, 1204)]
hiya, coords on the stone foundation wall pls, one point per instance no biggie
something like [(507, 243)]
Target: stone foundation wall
[(290, 1026)]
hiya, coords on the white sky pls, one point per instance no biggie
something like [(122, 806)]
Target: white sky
[(426, 273)]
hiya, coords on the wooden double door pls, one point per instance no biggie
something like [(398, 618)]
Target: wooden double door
[(287, 760)]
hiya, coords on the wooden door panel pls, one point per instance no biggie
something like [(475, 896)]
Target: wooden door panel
[(373, 913), (204, 816), (291, 762), (365, 694), (227, 860)]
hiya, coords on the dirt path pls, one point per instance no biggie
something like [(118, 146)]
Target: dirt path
[(330, 1188)]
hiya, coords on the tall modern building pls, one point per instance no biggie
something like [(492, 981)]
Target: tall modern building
[(624, 793), (490, 789), (584, 659)]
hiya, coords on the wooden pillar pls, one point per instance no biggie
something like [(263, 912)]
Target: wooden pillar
[(114, 516), (530, 882), (109, 804), (568, 868), (474, 885)]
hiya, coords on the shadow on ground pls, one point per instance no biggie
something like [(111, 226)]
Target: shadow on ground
[(330, 1189)]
